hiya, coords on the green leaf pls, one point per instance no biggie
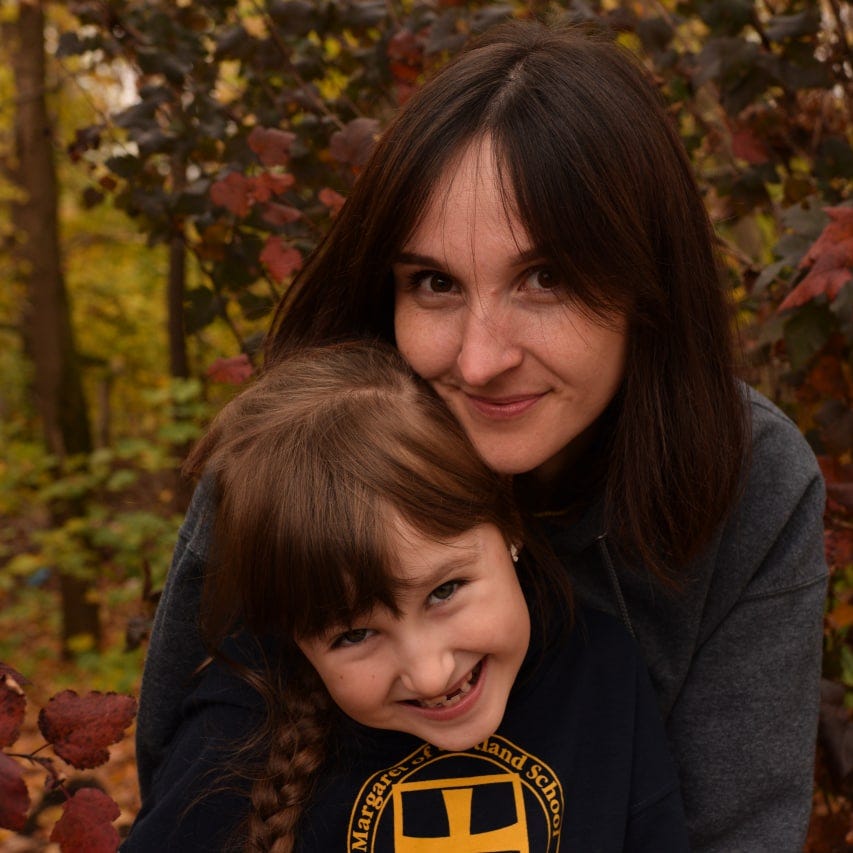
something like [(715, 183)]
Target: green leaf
[(725, 17), (201, 307), (253, 306), (834, 160), (739, 67), (125, 166), (806, 333), (842, 307), (768, 275), (121, 480), (781, 27)]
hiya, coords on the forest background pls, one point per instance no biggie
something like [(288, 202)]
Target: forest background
[(165, 166)]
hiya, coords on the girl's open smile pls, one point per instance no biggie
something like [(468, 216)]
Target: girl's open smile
[(465, 693)]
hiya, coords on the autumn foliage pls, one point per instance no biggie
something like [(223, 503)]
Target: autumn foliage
[(249, 121), (79, 729)]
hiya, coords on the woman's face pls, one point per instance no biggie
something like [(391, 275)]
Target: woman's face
[(481, 314)]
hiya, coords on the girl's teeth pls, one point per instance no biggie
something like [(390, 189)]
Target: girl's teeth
[(450, 701)]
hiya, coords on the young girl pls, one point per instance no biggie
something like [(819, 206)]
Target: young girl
[(366, 552)]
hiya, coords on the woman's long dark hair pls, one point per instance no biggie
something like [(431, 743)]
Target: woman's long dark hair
[(599, 176), (309, 464)]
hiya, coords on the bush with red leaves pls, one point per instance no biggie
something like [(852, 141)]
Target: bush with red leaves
[(79, 729)]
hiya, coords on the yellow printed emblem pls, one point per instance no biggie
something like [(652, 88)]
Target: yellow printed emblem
[(492, 798), (457, 796)]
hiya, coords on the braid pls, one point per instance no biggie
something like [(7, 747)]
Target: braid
[(299, 736)]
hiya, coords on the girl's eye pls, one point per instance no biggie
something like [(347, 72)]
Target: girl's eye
[(352, 637), (444, 592)]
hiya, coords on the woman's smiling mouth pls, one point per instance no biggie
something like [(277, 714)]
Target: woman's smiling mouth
[(503, 407)]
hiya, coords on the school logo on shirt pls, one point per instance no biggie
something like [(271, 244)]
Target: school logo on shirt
[(494, 797)]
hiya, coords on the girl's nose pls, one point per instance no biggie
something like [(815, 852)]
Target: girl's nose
[(426, 669), (488, 345)]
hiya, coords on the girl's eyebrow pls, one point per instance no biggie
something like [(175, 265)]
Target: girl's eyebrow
[(439, 574), (417, 259)]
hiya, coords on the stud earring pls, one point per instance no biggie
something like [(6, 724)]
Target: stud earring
[(513, 552)]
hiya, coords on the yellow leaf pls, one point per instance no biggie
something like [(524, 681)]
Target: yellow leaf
[(840, 616)]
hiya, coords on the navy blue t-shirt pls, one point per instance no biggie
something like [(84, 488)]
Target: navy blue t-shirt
[(579, 764)]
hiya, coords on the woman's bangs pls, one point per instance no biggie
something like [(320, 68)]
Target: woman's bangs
[(577, 239)]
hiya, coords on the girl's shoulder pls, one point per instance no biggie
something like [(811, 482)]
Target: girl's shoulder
[(597, 648)]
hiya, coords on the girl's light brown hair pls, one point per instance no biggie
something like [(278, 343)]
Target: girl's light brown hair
[(307, 463)]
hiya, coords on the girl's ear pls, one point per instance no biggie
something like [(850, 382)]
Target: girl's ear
[(513, 552)]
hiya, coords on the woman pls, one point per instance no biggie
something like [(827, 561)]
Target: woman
[(529, 235)]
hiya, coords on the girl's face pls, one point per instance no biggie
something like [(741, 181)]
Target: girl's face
[(442, 669), (482, 315)]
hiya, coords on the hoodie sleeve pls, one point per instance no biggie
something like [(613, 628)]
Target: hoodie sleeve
[(175, 648), (744, 722), (196, 799)]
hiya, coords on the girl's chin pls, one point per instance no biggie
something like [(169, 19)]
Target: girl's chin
[(462, 744)]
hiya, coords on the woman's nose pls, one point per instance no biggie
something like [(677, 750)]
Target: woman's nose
[(489, 344)]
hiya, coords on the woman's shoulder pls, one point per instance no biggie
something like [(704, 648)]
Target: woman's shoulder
[(778, 447), (772, 540), (783, 479)]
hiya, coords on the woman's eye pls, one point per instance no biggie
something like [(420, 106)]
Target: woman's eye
[(431, 282), (444, 592), (542, 278), (352, 637)]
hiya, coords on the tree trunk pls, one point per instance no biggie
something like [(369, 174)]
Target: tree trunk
[(178, 363), (58, 387)]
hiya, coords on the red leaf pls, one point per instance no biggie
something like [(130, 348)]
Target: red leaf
[(404, 46), (830, 258), (838, 547), (232, 371), (333, 200), (354, 143), (840, 494), (13, 704), (268, 184), (840, 617), (271, 145), (233, 192), (827, 378), (82, 727), (280, 258), (403, 73), (280, 214), (403, 91), (87, 823), (14, 797), (749, 147)]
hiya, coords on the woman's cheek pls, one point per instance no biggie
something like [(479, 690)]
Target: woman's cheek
[(426, 341)]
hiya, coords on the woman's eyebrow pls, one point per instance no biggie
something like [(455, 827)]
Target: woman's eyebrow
[(417, 259)]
